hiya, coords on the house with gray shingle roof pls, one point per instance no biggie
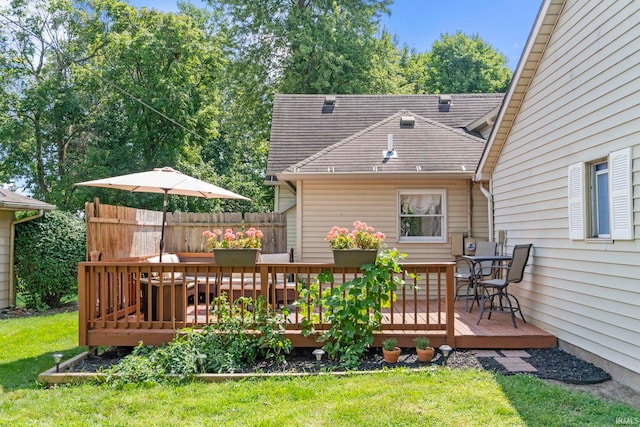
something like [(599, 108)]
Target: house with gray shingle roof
[(401, 163), (10, 203)]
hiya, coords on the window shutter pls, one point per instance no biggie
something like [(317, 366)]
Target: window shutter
[(576, 201), (620, 193)]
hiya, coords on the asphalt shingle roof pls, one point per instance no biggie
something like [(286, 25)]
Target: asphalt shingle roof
[(14, 201), (302, 125), (427, 146)]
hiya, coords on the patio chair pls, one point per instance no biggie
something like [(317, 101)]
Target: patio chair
[(498, 287), (464, 274)]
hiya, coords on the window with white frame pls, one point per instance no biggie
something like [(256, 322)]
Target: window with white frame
[(422, 215), (600, 198)]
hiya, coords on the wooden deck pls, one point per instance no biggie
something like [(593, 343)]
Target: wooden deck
[(497, 332), (121, 304)]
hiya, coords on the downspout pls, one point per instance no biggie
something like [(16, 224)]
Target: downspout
[(12, 234), (470, 210), (489, 197)]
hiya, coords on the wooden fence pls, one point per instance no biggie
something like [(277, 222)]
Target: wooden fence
[(119, 232)]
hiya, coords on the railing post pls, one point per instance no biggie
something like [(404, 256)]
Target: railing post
[(450, 298), (264, 282), (83, 304)]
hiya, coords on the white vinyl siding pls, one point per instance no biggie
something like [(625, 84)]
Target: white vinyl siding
[(582, 104)]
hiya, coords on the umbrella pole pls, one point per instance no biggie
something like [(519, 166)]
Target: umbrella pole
[(164, 220)]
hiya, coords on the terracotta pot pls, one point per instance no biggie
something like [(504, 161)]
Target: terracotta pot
[(425, 355), (354, 257), (391, 356), (235, 257)]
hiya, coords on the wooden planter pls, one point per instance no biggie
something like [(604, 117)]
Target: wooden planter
[(391, 356), (425, 355), (354, 257), (235, 257)]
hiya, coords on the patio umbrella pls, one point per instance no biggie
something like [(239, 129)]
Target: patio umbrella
[(167, 181)]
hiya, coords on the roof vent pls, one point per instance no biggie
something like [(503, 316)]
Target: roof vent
[(444, 99), (330, 100), (391, 152), (407, 121)]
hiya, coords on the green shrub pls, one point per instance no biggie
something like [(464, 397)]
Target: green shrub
[(229, 345), (47, 252)]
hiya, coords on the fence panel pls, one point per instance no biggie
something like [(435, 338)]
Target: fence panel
[(118, 232)]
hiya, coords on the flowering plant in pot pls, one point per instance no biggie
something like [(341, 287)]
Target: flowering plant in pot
[(234, 249), (356, 247), (249, 239), (362, 236), (390, 350), (425, 353)]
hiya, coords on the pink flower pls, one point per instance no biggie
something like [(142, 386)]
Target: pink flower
[(250, 239)]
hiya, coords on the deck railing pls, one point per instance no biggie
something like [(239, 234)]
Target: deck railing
[(121, 303)]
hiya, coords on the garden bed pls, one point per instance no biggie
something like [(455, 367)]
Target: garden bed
[(553, 364)]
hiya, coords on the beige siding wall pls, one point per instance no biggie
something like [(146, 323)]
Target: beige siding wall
[(479, 214), (323, 204), (5, 230), (583, 103), (286, 202)]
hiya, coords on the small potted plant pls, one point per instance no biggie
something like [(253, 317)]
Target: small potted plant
[(425, 353), (390, 350), (234, 249), (356, 247)]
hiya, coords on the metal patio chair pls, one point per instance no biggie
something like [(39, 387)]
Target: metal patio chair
[(465, 276), (497, 288)]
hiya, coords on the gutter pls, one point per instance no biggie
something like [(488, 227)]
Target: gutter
[(12, 234)]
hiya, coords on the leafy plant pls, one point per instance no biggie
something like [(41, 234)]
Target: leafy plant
[(353, 308), (47, 253), (244, 331), (390, 344), (421, 342)]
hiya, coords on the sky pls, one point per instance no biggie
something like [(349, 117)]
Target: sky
[(504, 24)]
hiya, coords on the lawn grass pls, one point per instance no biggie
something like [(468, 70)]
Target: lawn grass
[(437, 396)]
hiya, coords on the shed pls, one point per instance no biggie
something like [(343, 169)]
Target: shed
[(10, 204)]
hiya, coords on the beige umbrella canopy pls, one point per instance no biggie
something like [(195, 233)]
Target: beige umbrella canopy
[(167, 181)]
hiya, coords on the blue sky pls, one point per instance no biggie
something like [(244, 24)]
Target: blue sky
[(504, 24)]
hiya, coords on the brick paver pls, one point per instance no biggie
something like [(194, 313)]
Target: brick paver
[(515, 353), (485, 353), (515, 364)]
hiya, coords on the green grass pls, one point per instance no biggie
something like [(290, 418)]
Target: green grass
[(432, 397)]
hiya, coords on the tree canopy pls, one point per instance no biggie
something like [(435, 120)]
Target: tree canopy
[(100, 88)]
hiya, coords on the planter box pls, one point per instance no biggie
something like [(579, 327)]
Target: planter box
[(235, 257), (354, 257)]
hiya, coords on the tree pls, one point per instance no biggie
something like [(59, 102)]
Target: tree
[(296, 46), (463, 64), (42, 121)]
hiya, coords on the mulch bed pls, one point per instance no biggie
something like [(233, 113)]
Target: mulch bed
[(550, 364)]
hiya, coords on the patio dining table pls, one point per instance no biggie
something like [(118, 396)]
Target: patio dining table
[(476, 269)]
